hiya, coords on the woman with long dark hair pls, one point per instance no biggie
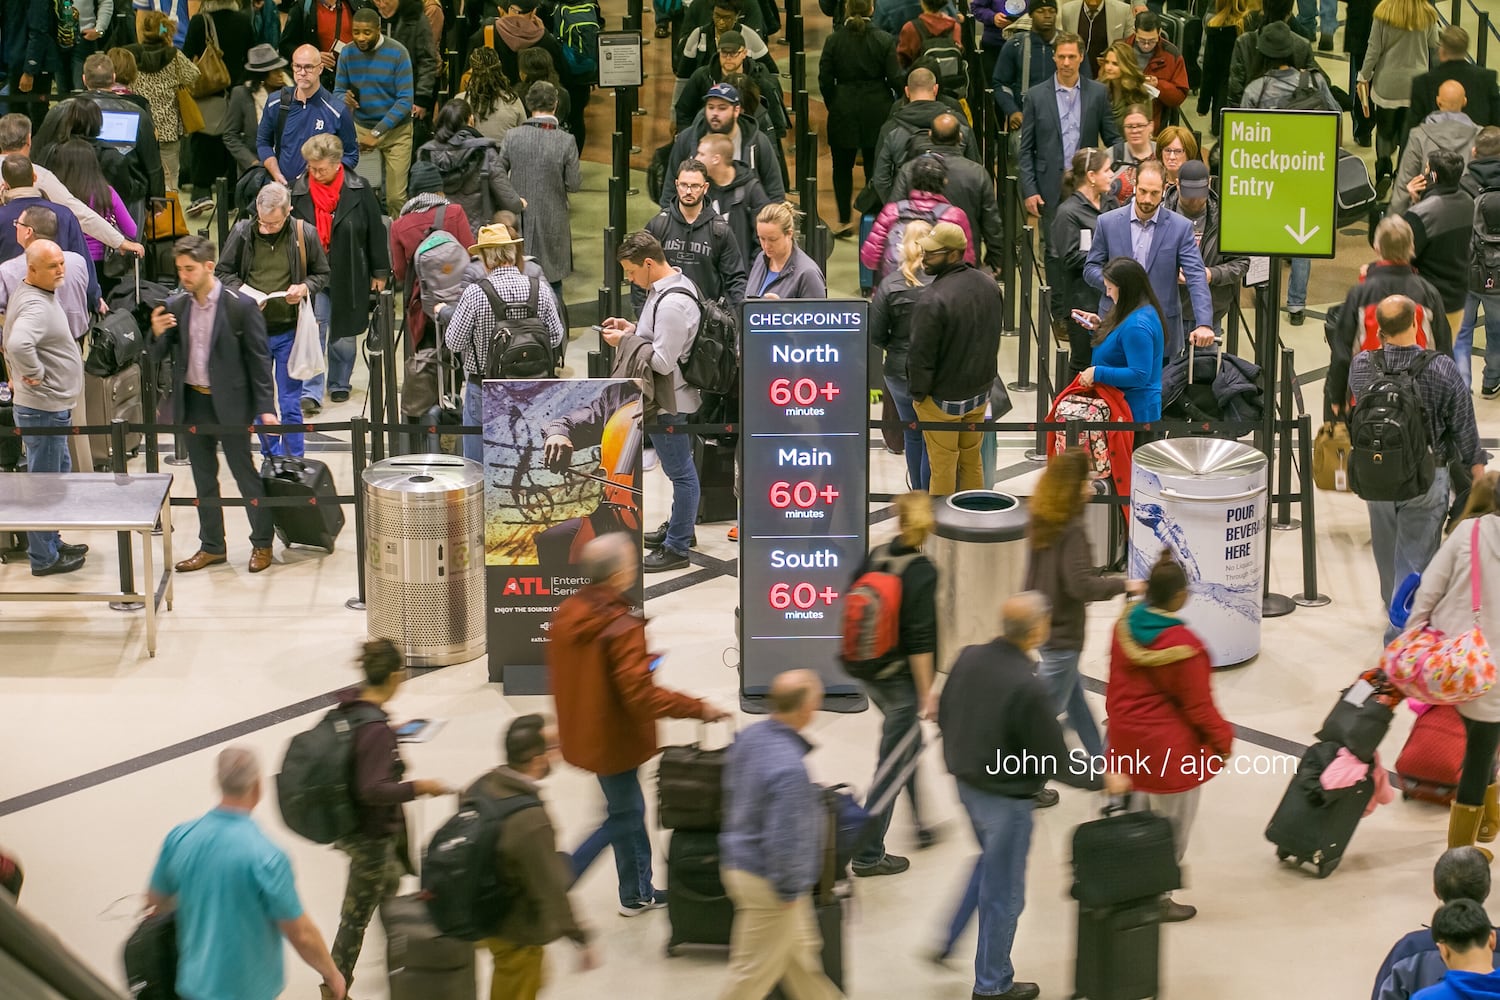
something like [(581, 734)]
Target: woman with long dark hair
[(463, 157), (1085, 193), (496, 105), (76, 165), (859, 78), (1128, 341)]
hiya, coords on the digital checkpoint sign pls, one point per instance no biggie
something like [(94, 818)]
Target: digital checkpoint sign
[(805, 488)]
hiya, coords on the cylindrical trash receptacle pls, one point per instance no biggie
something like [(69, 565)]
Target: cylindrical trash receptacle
[(424, 557), (979, 547), (1206, 499)]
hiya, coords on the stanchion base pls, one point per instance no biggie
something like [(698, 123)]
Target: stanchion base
[(1010, 333), (633, 191), (1291, 525), (126, 606), (1032, 455), (638, 113), (1019, 386), (354, 604), (1276, 605), (634, 150), (176, 460), (1303, 601)]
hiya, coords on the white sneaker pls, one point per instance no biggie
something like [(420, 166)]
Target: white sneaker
[(643, 905)]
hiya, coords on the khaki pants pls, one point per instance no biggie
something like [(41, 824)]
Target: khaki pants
[(773, 942), (519, 972), (394, 150), (954, 456)]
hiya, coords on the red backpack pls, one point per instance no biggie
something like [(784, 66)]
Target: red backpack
[(871, 647)]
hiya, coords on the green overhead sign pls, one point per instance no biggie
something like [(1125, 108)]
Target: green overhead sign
[(1277, 181)]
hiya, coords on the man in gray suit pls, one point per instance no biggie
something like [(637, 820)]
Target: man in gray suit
[(221, 374)]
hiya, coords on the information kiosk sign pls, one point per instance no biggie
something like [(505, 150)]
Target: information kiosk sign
[(1277, 182), (804, 499)]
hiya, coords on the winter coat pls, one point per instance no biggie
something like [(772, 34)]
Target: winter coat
[(872, 253), (1442, 226), (984, 12), (1236, 386), (1225, 274), (505, 116), (1006, 81), (1482, 175), (1066, 573), (1076, 216), (904, 122), (909, 41), (970, 189), (358, 250), (800, 279), (1170, 70), (238, 254), (954, 336), (756, 152), (1443, 600), (1160, 702), (543, 165), (859, 79), (1483, 99), (604, 694), (1394, 59), (464, 159), (1354, 330), (1248, 64), (163, 69), (770, 113), (705, 250), (1453, 131), (890, 318)]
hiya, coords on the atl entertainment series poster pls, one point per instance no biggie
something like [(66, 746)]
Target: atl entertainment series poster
[(562, 465)]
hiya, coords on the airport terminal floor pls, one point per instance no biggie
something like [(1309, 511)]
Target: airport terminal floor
[(108, 749)]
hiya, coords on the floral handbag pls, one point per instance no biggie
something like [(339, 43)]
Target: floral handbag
[(1440, 669)]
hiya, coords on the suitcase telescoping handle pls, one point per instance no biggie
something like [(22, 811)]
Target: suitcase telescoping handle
[(882, 775), (703, 731)]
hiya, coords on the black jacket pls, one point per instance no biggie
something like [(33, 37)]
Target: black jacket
[(772, 110), (739, 202), (954, 336), (1225, 274), (240, 124), (360, 246), (997, 717), (1479, 86), (239, 359), (301, 28), (970, 189), (410, 27), (238, 253), (756, 152), (705, 250), (1348, 333), (1076, 216), (890, 319), (1481, 176), (859, 78), (1248, 64), (1442, 225), (467, 160), (903, 123)]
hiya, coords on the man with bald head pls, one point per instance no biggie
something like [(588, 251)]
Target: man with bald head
[(1405, 533), (601, 677), (909, 118), (771, 849), (1001, 742), (1448, 128), (969, 187), (297, 113), (46, 373), (1453, 64)]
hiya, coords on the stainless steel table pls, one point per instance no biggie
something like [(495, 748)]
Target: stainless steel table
[(97, 501)]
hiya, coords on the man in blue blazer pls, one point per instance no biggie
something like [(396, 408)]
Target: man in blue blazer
[(1162, 242), (1061, 115), (221, 374)]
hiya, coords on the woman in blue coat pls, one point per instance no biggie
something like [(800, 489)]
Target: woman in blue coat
[(1128, 342)]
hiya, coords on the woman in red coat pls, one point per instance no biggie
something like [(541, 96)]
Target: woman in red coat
[(1166, 736)]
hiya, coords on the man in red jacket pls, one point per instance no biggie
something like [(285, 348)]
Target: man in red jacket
[(1163, 65), (607, 707)]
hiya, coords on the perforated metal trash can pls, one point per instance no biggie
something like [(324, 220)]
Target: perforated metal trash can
[(979, 548), (424, 557)]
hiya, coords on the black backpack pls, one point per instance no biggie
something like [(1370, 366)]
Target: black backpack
[(521, 346), (466, 897), (712, 362), (315, 788), (115, 343), (945, 57), (151, 958), (1484, 261), (1391, 457)]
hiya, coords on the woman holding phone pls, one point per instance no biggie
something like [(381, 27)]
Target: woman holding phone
[(1085, 193), (1127, 342)]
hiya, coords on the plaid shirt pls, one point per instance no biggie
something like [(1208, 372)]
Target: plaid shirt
[(472, 325), (1448, 405)]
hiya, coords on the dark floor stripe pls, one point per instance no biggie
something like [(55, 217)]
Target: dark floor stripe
[(1268, 741)]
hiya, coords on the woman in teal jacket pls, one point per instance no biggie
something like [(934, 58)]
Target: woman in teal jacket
[(1128, 342)]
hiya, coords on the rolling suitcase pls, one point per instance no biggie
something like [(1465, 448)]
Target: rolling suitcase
[(1313, 825), (318, 524), (1361, 717), (1184, 29), (1433, 757), (1119, 951), (714, 458), (423, 964), (698, 909), (111, 397), (12, 456)]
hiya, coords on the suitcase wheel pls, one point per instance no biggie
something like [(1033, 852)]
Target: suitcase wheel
[(1325, 868), (1282, 855), (671, 950)]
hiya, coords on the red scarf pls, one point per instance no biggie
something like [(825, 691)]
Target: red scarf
[(325, 199)]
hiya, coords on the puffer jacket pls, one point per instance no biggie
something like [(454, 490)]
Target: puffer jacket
[(872, 253), (464, 158)]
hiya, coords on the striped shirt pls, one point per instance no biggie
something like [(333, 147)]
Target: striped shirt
[(472, 325), (1446, 402), (381, 80)]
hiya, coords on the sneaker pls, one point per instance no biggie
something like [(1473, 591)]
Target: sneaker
[(1046, 798), (1295, 317), (657, 537), (339, 395), (891, 864), (734, 533), (1018, 991), (200, 205), (311, 407), (663, 559), (1325, 43), (926, 837), (1173, 912), (663, 30), (1490, 390), (635, 909)]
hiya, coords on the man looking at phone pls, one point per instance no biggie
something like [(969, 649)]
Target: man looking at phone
[(1442, 224)]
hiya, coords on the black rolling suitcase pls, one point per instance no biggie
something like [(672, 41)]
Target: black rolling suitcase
[(714, 458), (698, 909), (318, 524), (423, 964), (1313, 825), (1119, 951), (1184, 29)]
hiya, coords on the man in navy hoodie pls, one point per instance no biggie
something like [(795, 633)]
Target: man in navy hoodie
[(1414, 962), (1466, 940)]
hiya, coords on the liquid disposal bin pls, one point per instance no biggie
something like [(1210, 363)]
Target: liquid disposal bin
[(979, 547), (1206, 499), (424, 557)]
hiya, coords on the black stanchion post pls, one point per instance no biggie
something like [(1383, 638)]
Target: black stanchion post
[(1284, 519), (376, 394), (123, 541), (1267, 336), (221, 217), (1457, 9), (1232, 324), (1309, 598), (1482, 49), (388, 362), (358, 436), (1027, 277), (150, 403), (1060, 370)]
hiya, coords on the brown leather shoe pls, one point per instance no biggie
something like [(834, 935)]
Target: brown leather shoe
[(260, 559), (201, 560)]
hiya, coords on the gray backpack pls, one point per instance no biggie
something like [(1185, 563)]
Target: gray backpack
[(443, 267)]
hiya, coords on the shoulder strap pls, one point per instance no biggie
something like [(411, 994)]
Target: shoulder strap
[(497, 304), (1419, 364), (1474, 575), (281, 113), (531, 299), (442, 213), (213, 32)]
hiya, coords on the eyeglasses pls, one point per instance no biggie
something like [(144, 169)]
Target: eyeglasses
[(685, 186), (305, 67), (1173, 153), (1137, 126)]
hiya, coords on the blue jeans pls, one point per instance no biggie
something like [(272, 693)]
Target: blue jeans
[(676, 454), (473, 444), (44, 453), (1296, 285), (1058, 670), (1003, 826), (341, 355), (624, 828), (1310, 12), (918, 469), (1405, 534), (1463, 340), (896, 697), (288, 399)]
